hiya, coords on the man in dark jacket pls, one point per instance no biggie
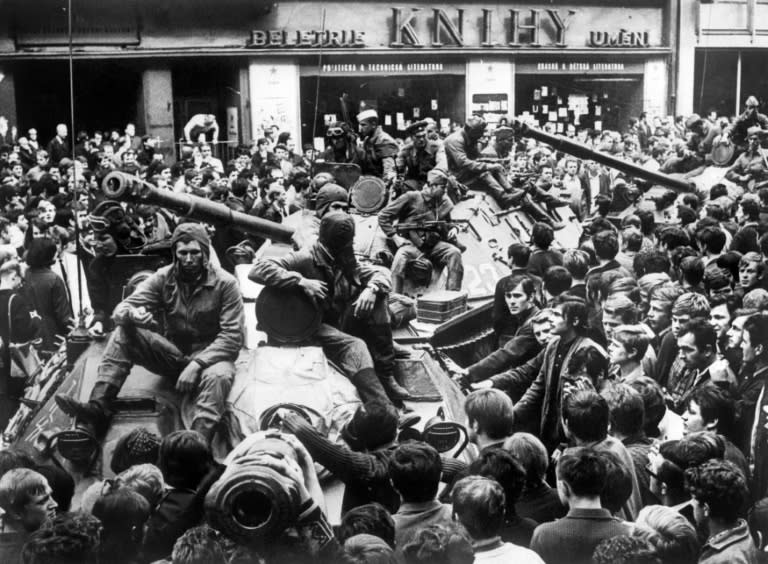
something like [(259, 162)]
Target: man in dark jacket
[(46, 292), (519, 295), (202, 310), (364, 468), (539, 409)]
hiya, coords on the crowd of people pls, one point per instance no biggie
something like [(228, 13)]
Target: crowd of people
[(622, 417)]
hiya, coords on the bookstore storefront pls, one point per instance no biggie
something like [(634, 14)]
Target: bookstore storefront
[(571, 65)]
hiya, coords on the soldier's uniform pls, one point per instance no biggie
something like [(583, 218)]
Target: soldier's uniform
[(378, 149)]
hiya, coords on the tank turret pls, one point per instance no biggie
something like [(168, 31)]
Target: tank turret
[(580, 151), (125, 187)]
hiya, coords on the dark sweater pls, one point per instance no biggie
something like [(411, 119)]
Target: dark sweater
[(576, 535), (365, 474)]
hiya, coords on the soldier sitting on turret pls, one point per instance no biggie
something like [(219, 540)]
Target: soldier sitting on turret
[(429, 204), (462, 156), (750, 169), (353, 300), (739, 132), (202, 310)]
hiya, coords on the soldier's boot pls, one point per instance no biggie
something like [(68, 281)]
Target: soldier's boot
[(394, 390), (96, 412)]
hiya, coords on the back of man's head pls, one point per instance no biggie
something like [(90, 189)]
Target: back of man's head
[(415, 470), (480, 506), (626, 409), (720, 486), (372, 519), (542, 235), (586, 416), (184, 459), (606, 245), (519, 254), (500, 465), (557, 280), (70, 538), (199, 545), (583, 470), (373, 425), (492, 411)]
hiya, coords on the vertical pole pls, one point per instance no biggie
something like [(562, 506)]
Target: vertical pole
[(738, 83)]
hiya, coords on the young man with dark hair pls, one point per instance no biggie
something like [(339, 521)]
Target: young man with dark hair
[(539, 409), (585, 420), (669, 365), (480, 506), (415, 470), (517, 344), (719, 492), (542, 256), (581, 475), (697, 343)]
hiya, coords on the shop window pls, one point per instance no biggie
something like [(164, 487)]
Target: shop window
[(714, 85)]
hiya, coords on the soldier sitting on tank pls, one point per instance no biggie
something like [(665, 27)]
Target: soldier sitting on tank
[(420, 155), (739, 132), (355, 333), (750, 170), (697, 152), (462, 157), (202, 311), (379, 149), (437, 245), (342, 144)]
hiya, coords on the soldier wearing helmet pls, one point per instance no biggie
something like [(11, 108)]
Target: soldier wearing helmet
[(738, 133), (462, 154)]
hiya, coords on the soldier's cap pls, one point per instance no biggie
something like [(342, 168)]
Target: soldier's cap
[(692, 120), (366, 115), (437, 176), (418, 127), (752, 102)]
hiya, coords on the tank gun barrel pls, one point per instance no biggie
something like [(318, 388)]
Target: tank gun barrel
[(580, 151), (124, 187)]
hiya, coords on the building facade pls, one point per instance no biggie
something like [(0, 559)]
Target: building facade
[(723, 55), (301, 64)]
